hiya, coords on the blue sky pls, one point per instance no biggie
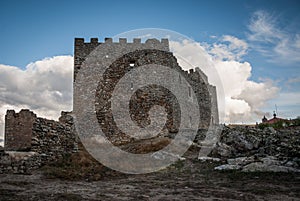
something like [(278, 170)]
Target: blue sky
[(32, 30), (267, 31)]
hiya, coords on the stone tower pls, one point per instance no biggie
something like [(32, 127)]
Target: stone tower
[(18, 130), (140, 54)]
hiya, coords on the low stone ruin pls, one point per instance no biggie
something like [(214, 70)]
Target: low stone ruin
[(35, 141), (239, 148)]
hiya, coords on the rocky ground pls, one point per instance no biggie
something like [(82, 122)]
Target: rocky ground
[(253, 149), (248, 164), (191, 179)]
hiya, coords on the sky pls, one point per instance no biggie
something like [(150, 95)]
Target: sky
[(253, 45)]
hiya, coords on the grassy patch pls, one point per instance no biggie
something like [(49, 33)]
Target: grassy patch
[(78, 166), (146, 146), (178, 165)]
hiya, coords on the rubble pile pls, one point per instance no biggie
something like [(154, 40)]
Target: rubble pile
[(253, 149)]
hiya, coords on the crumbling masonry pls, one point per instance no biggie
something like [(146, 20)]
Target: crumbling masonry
[(31, 141), (141, 54), (49, 140)]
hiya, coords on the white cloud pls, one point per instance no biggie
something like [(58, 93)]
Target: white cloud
[(256, 94), (228, 48), (242, 98), (44, 86), (263, 28), (272, 40)]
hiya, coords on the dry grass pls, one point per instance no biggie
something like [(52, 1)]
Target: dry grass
[(146, 146), (78, 166), (82, 165)]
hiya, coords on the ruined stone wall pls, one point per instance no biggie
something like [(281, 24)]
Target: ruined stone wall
[(201, 89), (150, 52), (214, 105), (18, 130), (19, 162), (41, 141), (52, 139)]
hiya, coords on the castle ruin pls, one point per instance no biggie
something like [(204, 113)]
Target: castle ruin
[(24, 131), (134, 55)]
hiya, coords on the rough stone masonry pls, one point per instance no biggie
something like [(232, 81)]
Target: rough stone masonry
[(31, 141), (142, 54)]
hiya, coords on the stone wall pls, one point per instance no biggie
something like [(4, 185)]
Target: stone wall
[(52, 139), (46, 141), (19, 162), (82, 49), (141, 54)]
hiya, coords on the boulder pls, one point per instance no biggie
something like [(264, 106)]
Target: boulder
[(228, 167), (262, 167), (254, 164), (222, 150), (241, 160)]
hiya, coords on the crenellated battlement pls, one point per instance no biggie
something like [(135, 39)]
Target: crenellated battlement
[(137, 41), (195, 74), (84, 48)]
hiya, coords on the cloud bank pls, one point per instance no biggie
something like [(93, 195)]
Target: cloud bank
[(240, 99), (44, 86)]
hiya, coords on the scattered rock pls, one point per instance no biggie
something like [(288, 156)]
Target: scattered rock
[(228, 167), (254, 149), (253, 164), (263, 167), (241, 160), (206, 158), (222, 150)]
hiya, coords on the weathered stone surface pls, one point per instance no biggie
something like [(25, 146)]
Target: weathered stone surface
[(253, 149), (246, 141), (241, 160), (268, 164), (250, 164), (49, 141), (228, 167), (222, 150), (18, 129), (206, 158), (53, 139), (142, 54)]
